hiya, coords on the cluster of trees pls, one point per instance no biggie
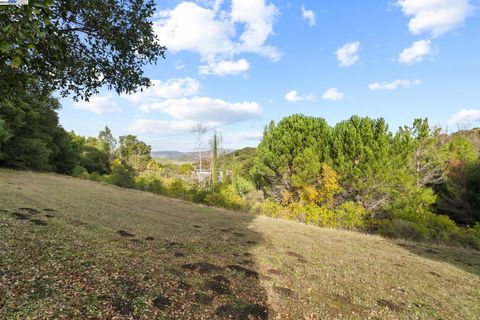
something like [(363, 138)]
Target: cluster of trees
[(71, 48), (416, 182)]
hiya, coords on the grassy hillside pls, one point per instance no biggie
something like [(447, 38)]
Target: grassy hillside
[(76, 249)]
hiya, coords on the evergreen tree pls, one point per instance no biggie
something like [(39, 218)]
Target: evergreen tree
[(290, 156), (215, 141)]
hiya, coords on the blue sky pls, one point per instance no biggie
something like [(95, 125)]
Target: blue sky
[(234, 65)]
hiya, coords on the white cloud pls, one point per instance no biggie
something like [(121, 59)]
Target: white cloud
[(293, 96), (435, 16), (206, 110), (224, 67), (465, 116), (179, 65), (173, 88), (333, 94), (309, 15), (348, 54), (145, 126), (393, 85), (257, 18), (417, 52), (99, 104), (212, 32), (191, 27)]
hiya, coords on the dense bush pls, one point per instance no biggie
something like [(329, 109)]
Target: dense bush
[(121, 175)]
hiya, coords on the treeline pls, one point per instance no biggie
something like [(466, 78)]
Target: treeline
[(416, 183)]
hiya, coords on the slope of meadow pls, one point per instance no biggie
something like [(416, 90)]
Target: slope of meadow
[(78, 249)]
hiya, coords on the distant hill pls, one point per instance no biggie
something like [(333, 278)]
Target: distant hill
[(179, 156)]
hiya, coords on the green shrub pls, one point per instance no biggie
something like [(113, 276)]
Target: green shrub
[(442, 228), (141, 183), (398, 228), (350, 215), (177, 189), (155, 186), (253, 198), (78, 170), (213, 199), (121, 175), (95, 176), (268, 208), (230, 198)]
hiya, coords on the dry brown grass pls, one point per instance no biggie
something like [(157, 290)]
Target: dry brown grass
[(78, 249)]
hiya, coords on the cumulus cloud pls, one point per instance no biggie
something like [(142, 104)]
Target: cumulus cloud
[(310, 16), (333, 94), (435, 16), (417, 52), (293, 96), (224, 67), (206, 110), (173, 88), (99, 104), (465, 116), (393, 85), (348, 54), (217, 34)]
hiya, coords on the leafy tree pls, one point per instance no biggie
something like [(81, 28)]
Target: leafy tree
[(122, 174), (31, 135), (4, 134), (458, 197), (89, 154), (134, 152), (186, 169), (107, 142), (79, 46), (420, 145)]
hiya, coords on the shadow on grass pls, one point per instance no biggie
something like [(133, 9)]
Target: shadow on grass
[(465, 259), (194, 264)]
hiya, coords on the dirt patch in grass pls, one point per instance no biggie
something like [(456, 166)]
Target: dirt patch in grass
[(161, 302), (284, 292), (435, 274), (238, 234), (294, 254), (20, 216), (389, 304), (39, 222), (202, 267), (274, 272), (125, 234), (245, 271), (249, 311), (219, 285), (203, 298), (30, 210)]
